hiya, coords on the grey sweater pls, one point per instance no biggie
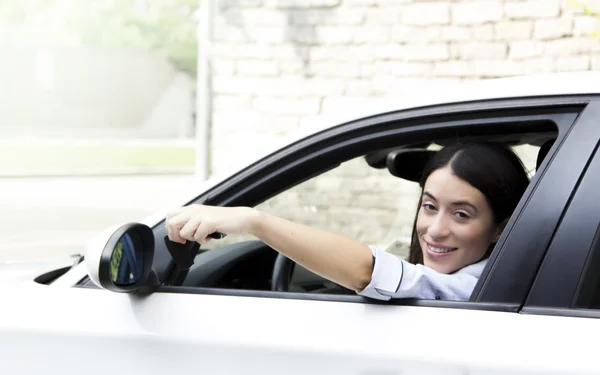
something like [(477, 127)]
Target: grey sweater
[(395, 278)]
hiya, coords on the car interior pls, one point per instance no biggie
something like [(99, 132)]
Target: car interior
[(252, 265)]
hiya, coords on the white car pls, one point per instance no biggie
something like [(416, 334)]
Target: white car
[(240, 308)]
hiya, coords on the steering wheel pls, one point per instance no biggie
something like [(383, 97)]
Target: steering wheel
[(282, 273)]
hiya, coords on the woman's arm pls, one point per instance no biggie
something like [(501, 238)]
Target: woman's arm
[(334, 257)]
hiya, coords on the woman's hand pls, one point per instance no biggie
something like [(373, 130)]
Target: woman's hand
[(341, 259), (195, 222)]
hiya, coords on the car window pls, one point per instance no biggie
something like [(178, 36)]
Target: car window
[(355, 200), (358, 201)]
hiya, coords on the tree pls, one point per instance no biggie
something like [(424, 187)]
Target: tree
[(164, 26)]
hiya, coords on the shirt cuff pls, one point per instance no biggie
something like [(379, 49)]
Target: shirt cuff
[(386, 276)]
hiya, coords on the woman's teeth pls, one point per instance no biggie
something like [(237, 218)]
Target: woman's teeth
[(440, 250)]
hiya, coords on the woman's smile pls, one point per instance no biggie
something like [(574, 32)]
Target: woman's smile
[(438, 251)]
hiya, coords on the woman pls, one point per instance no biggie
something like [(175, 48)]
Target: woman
[(468, 193)]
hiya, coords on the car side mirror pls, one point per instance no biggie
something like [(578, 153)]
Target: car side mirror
[(120, 260)]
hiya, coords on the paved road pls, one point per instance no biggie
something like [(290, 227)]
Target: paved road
[(44, 218)]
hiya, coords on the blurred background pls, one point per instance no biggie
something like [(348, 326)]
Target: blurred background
[(113, 109), (97, 111)]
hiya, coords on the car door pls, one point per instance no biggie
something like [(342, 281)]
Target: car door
[(216, 331), (566, 291)]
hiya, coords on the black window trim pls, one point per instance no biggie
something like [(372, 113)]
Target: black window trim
[(530, 112), (536, 225), (436, 118), (568, 255)]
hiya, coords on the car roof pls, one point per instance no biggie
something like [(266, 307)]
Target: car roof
[(338, 111), (430, 94)]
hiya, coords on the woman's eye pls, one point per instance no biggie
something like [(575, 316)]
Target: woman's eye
[(428, 207), (461, 215)]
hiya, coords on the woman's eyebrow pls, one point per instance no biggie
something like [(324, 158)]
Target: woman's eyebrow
[(429, 195), (465, 203), (457, 203)]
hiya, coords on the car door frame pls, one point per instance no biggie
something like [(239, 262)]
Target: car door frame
[(518, 249), (384, 131), (571, 251)]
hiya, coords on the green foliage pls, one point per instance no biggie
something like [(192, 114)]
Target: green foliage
[(164, 26), (115, 261), (22, 11)]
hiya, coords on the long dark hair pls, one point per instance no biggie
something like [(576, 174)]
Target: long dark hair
[(491, 168)]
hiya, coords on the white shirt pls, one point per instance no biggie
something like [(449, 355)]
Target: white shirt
[(395, 278)]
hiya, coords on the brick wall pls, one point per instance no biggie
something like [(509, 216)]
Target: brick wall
[(278, 63)]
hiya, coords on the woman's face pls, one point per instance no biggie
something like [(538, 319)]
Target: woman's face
[(455, 223)]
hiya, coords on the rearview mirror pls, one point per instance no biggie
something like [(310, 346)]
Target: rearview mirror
[(120, 259)]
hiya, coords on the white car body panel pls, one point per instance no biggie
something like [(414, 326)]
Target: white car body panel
[(209, 334), (65, 330)]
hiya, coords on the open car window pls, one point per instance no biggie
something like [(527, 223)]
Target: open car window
[(358, 201), (354, 200), (296, 181)]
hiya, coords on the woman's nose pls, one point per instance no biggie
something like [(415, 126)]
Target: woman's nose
[(439, 227)]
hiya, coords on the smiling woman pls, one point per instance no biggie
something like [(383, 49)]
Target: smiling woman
[(470, 190), (453, 233), (468, 193)]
